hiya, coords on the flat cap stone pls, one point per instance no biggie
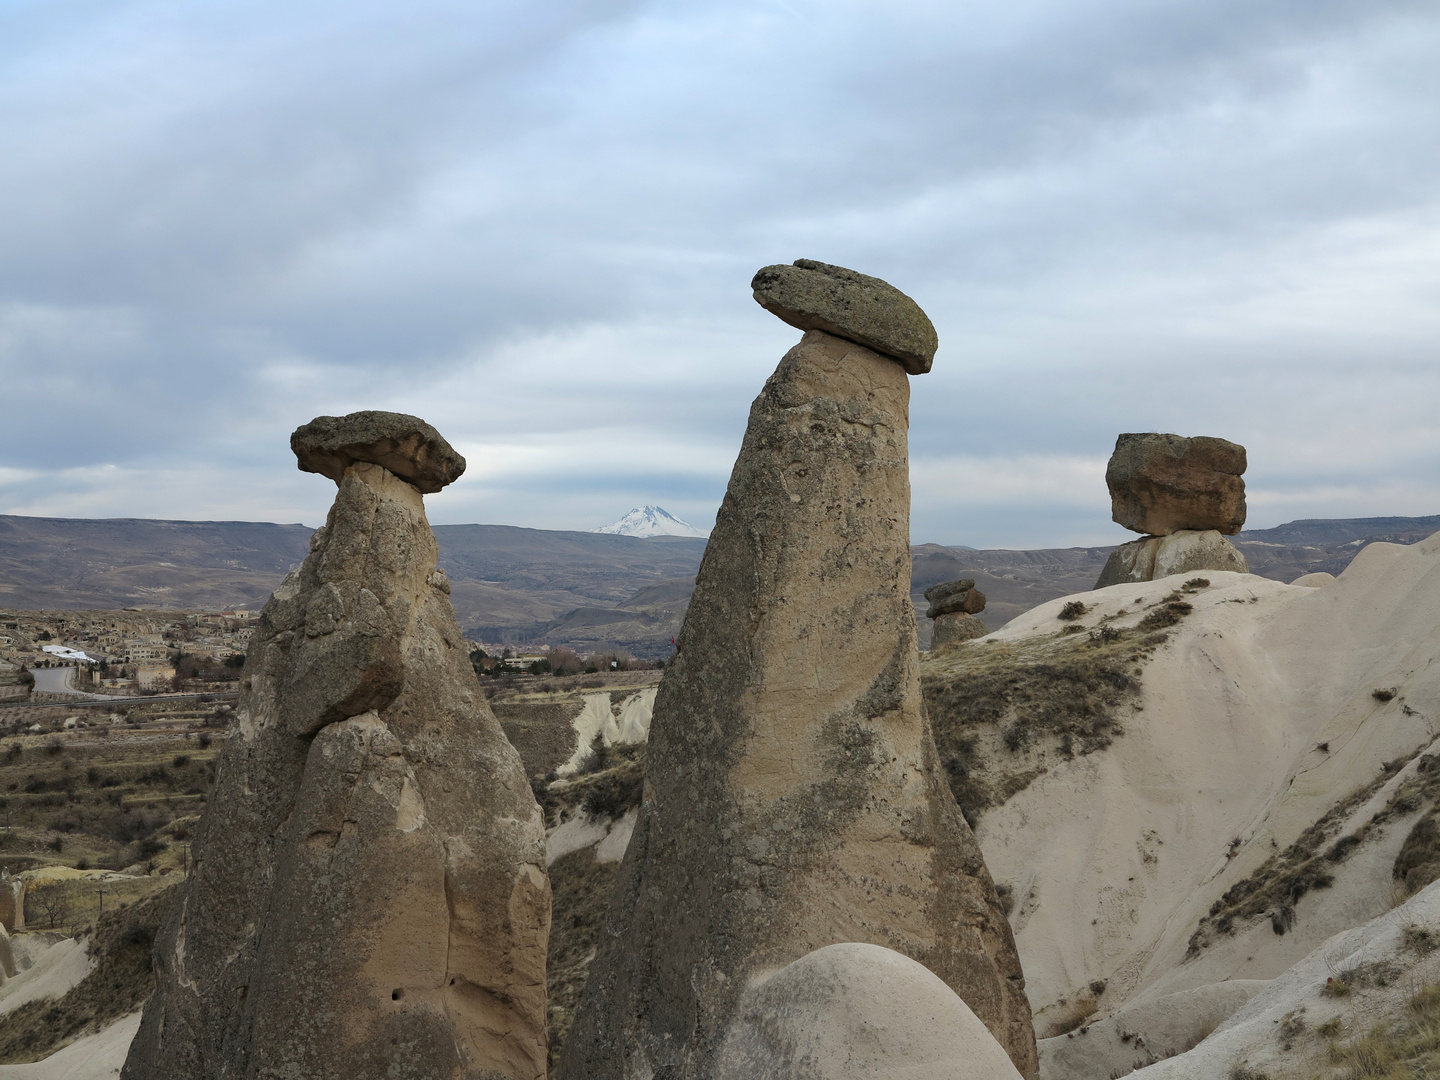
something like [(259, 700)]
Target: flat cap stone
[(1161, 483), (405, 445), (813, 295), (954, 596)]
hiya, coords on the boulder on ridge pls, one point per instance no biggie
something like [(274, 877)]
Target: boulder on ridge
[(369, 896), (402, 444), (954, 596), (1160, 484), (858, 1012), (793, 797), (812, 295)]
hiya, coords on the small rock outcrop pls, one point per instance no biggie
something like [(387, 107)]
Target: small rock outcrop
[(954, 606), (7, 957), (1181, 552), (1186, 495), (812, 295), (12, 902), (792, 795), (858, 1012), (369, 896)]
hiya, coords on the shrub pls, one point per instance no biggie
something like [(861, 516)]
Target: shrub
[(1165, 615), (1382, 694), (1072, 610)]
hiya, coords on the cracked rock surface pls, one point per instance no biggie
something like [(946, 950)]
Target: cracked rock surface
[(792, 796), (369, 897)]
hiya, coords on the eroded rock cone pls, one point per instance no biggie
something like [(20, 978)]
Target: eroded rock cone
[(792, 795), (369, 897)]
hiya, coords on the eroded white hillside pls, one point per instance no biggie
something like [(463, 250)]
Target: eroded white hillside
[(1251, 721)]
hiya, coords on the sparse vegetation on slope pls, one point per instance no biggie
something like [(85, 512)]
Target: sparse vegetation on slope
[(1407, 1050), (119, 984), (1277, 885), (1001, 712), (580, 886)]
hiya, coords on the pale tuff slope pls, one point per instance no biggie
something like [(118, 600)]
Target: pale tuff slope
[(1255, 718)]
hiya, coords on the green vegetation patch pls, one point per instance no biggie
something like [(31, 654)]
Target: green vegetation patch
[(120, 983)]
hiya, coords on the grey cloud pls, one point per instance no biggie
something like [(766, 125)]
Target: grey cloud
[(294, 210)]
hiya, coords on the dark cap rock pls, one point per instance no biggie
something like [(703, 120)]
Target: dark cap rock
[(813, 295), (1160, 484), (954, 596), (405, 445)]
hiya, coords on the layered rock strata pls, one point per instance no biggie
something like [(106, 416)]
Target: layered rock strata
[(953, 606), (792, 797), (369, 897), (1186, 495)]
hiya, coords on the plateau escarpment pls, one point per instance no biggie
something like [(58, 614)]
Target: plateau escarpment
[(370, 896), (792, 795)]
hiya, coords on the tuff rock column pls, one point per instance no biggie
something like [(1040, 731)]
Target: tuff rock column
[(369, 897), (1186, 495), (792, 799)]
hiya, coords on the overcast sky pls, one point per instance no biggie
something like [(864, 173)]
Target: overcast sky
[(534, 224)]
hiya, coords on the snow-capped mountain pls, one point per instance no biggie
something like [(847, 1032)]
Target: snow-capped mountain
[(651, 521)]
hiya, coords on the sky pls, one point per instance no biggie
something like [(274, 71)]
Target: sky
[(535, 225)]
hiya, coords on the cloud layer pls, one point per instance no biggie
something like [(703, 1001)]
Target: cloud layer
[(535, 225)]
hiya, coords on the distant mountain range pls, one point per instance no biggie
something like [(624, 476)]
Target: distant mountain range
[(651, 521), (583, 589)]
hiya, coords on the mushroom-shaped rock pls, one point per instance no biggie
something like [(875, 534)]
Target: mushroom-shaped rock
[(1160, 484), (405, 445), (369, 896), (858, 1012), (812, 295), (793, 795), (954, 596)]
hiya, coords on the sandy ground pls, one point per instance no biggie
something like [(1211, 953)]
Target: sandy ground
[(95, 1057), (1256, 718)]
